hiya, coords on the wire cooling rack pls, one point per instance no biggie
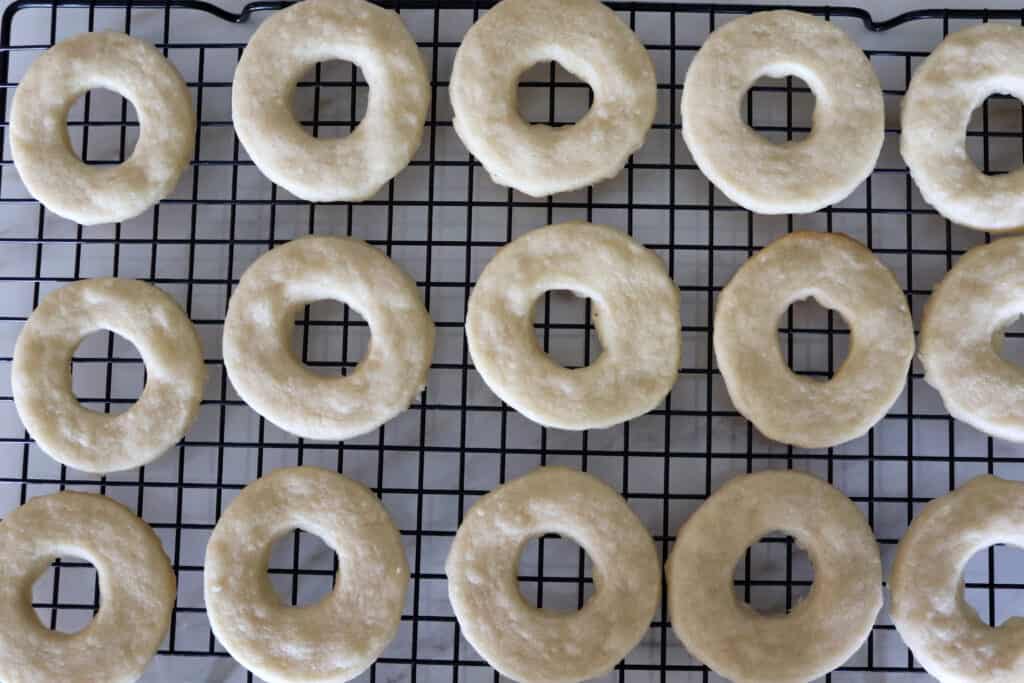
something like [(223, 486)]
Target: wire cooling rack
[(442, 219)]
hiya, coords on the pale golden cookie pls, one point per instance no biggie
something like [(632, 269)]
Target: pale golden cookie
[(927, 585), (588, 40), (351, 168), (962, 332), (136, 582), (536, 645), (952, 82), (820, 632), (335, 639), (41, 148), (258, 331), (635, 311), (848, 126), (41, 374), (841, 274)]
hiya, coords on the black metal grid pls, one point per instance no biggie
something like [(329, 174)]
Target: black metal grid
[(442, 219)]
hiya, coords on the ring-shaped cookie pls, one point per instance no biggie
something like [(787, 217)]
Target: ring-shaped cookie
[(943, 631), (724, 632), (841, 274), (962, 332), (952, 82), (798, 176), (137, 591), (258, 333), (41, 374), (635, 311), (590, 42), (351, 168), (41, 148), (335, 639), (530, 644)]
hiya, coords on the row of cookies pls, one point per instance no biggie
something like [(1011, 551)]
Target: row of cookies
[(584, 36), (635, 308), (341, 635)]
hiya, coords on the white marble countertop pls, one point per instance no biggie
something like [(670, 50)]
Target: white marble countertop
[(192, 627)]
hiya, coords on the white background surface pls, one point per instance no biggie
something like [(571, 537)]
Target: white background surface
[(881, 9), (889, 477)]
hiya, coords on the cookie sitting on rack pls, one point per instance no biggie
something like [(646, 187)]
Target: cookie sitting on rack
[(796, 176), (258, 326), (635, 311), (823, 630), (340, 636), (590, 42), (957, 76), (135, 583), (526, 643), (42, 153), (354, 167), (842, 274), (928, 608), (41, 374), (962, 332)]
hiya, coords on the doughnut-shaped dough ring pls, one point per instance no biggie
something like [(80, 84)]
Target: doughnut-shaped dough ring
[(137, 591), (335, 639), (927, 585), (590, 42), (258, 331), (957, 76), (354, 167), (41, 374), (802, 176), (536, 645), (636, 312), (840, 274), (962, 332), (836, 617), (41, 149)]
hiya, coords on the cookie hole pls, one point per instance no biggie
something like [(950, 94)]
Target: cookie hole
[(779, 109), (992, 584), (555, 574), (774, 575), (1009, 342), (103, 127), (810, 347), (549, 94), (330, 338), (66, 596), (994, 141), (301, 568), (107, 373), (564, 324), (330, 99)]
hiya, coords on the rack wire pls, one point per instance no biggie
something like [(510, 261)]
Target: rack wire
[(442, 219)]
